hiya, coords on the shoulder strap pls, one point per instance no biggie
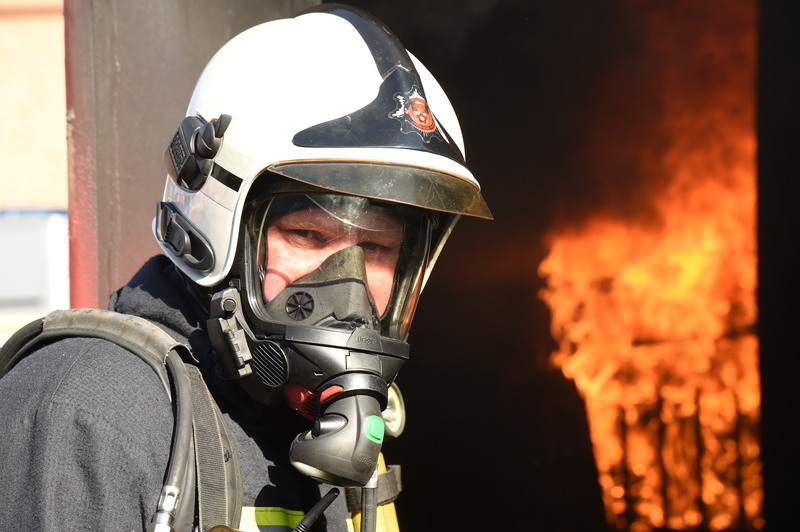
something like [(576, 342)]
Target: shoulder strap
[(219, 479), (219, 497), (11, 351), (389, 488), (135, 334)]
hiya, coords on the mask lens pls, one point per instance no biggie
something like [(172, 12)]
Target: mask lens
[(329, 239)]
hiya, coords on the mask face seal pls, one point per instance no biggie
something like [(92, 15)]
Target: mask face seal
[(318, 318)]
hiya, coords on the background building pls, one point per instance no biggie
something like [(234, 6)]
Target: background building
[(34, 251)]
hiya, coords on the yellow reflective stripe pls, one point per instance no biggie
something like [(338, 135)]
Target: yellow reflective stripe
[(255, 517)]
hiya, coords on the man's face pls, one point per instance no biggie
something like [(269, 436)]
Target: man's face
[(299, 242)]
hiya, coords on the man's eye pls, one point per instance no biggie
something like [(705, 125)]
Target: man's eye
[(309, 234), (372, 246), (305, 233)]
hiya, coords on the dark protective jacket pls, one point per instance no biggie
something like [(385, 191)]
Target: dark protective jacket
[(86, 426)]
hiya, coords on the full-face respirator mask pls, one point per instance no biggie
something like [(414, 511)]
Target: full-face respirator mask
[(318, 317)]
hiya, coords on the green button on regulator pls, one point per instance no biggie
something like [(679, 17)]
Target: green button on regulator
[(375, 428)]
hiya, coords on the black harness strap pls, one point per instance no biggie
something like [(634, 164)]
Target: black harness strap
[(219, 486), (389, 487), (219, 482)]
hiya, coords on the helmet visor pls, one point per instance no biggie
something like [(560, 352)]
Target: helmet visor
[(339, 261), (409, 185)]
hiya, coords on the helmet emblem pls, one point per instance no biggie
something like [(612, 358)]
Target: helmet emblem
[(419, 115), (300, 305), (414, 114)]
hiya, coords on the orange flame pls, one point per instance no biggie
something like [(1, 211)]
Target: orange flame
[(655, 321)]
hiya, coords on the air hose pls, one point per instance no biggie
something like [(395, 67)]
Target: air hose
[(311, 517), (180, 478)]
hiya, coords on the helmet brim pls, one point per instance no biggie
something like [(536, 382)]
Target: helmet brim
[(396, 183)]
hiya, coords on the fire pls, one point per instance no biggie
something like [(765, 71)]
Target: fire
[(655, 318)]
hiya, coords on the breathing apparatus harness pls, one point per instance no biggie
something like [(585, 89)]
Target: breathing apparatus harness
[(212, 471)]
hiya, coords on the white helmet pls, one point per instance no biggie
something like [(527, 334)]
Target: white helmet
[(329, 98)]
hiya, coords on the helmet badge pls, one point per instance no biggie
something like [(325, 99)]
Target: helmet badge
[(414, 114)]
